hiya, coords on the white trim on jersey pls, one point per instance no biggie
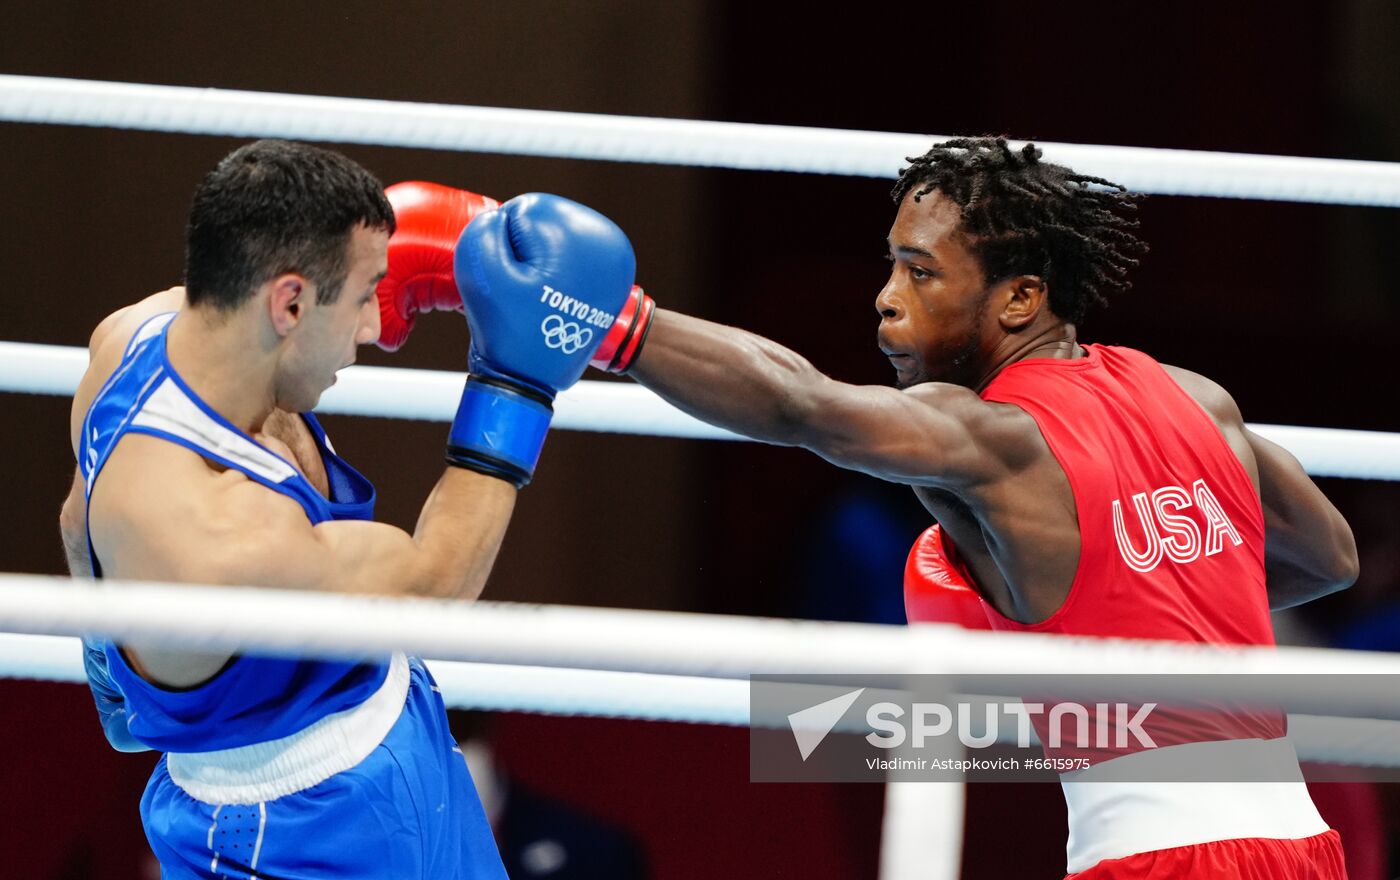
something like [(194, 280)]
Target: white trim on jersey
[(150, 327), (170, 410)]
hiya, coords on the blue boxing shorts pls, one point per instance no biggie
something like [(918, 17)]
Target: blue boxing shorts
[(285, 811)]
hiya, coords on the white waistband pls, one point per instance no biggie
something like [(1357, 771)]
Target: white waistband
[(1111, 819), (269, 770)]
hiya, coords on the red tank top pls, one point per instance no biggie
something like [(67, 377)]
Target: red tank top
[(1171, 529)]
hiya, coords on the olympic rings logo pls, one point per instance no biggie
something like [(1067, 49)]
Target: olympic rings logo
[(566, 336)]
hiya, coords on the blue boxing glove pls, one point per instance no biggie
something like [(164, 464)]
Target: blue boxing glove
[(542, 280), (111, 706)]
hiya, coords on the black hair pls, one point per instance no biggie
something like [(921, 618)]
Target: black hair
[(272, 207), (1027, 217)]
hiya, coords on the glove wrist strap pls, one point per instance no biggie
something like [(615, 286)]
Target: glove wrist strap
[(499, 429), (623, 354), (631, 347)]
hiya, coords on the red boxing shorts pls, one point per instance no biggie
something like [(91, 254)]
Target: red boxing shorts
[(1249, 858)]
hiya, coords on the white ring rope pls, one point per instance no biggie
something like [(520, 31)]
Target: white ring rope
[(648, 697), (488, 686), (669, 141), (578, 690), (623, 407), (385, 392), (670, 643)]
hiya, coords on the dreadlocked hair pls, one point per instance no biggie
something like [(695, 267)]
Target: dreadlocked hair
[(1027, 217)]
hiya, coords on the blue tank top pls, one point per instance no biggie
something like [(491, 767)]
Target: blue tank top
[(252, 699)]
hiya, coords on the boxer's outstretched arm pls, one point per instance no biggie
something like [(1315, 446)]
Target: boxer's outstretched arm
[(1309, 550), (932, 434)]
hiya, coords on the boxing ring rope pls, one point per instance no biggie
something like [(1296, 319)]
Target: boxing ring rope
[(671, 644), (667, 141), (650, 665), (645, 696), (622, 407)]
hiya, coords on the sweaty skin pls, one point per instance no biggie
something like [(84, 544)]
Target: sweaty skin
[(200, 523), (982, 469)]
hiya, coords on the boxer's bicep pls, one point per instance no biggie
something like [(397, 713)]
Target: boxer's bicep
[(366, 557), (1286, 492), (260, 538), (923, 436), (266, 540), (201, 526)]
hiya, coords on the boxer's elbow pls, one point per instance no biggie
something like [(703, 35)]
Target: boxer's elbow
[(72, 529), (445, 583), (1328, 566), (1338, 576), (440, 565), (70, 523), (1344, 564), (799, 398), (796, 418), (1335, 562)]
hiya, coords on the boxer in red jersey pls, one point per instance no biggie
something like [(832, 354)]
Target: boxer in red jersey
[(1084, 489)]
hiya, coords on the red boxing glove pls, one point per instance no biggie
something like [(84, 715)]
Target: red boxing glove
[(623, 343), (936, 586), (430, 218)]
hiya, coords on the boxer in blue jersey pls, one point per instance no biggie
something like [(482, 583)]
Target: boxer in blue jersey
[(200, 461)]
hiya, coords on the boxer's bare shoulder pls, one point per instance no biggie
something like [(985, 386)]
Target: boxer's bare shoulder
[(109, 341)]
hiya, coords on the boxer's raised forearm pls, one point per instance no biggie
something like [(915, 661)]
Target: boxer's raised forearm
[(461, 529), (729, 377)]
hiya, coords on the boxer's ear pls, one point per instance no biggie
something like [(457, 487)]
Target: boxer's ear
[(1023, 298), (288, 297)]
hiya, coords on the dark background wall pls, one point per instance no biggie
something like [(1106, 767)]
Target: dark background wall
[(1287, 305)]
